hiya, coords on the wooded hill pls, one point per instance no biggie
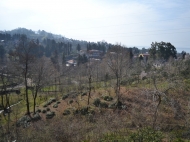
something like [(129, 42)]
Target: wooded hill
[(120, 97)]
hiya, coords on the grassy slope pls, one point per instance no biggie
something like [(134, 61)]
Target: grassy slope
[(139, 111)]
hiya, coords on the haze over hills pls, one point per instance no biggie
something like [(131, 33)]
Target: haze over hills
[(41, 35)]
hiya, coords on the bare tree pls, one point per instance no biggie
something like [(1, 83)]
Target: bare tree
[(7, 88), (41, 75), (160, 93), (24, 55), (89, 73), (117, 60)]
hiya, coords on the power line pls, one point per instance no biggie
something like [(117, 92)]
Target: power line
[(143, 35), (177, 9), (129, 23), (140, 32), (121, 15)]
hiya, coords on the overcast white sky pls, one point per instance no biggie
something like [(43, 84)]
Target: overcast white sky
[(129, 22)]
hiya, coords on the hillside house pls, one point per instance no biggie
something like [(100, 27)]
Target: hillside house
[(97, 54), (71, 63), (2, 42), (82, 52), (157, 65), (145, 56)]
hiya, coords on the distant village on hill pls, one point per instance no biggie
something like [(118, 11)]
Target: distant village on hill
[(69, 51)]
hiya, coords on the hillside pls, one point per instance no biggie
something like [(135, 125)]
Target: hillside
[(109, 93)]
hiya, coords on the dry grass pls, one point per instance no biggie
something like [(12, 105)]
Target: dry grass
[(139, 112)]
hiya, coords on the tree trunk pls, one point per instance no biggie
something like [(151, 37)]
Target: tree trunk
[(26, 91), (8, 112), (35, 96), (156, 112), (89, 83), (34, 109), (2, 101), (117, 89)]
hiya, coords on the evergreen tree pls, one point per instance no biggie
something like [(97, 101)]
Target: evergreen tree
[(130, 53), (84, 59), (47, 51), (2, 52), (135, 50), (78, 47), (163, 50), (54, 58), (79, 60), (37, 41), (70, 48), (153, 50), (183, 53), (63, 59), (87, 47)]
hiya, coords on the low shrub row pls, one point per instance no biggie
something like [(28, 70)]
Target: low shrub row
[(49, 102), (83, 111)]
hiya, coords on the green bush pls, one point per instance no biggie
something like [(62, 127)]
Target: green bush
[(50, 114), (124, 82), (84, 110), (73, 94), (118, 105), (142, 135), (47, 109), (104, 105), (66, 112), (179, 133), (115, 137), (44, 111), (36, 117), (144, 78), (165, 74), (49, 102), (76, 111), (108, 98), (179, 140), (146, 135), (91, 111), (55, 105), (65, 96), (52, 99), (112, 105), (23, 121), (58, 102), (38, 110), (84, 94), (70, 101), (97, 102), (90, 118)]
